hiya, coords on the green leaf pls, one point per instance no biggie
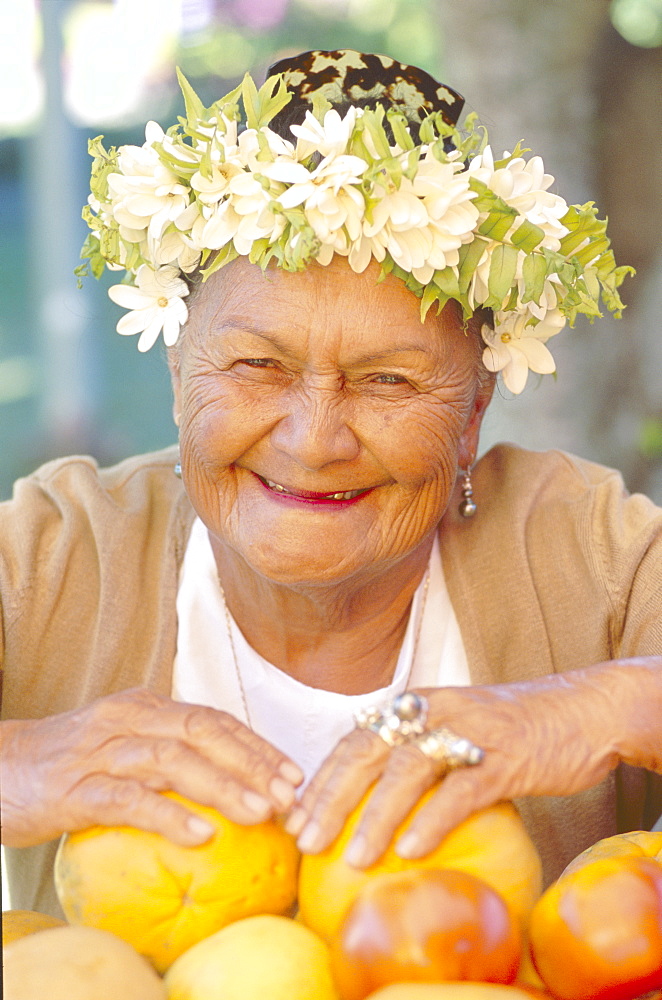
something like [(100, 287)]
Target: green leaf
[(251, 101), (447, 281), (470, 255), (220, 259), (517, 152), (195, 109), (503, 264), (534, 273), (258, 248), (273, 96), (527, 236), (372, 121), (227, 105), (398, 124), (431, 294), (498, 223), (133, 257), (582, 222), (595, 248), (412, 164)]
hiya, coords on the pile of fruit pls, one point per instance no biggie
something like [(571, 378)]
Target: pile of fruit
[(243, 917)]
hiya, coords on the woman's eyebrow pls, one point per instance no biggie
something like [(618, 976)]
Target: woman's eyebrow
[(280, 344)]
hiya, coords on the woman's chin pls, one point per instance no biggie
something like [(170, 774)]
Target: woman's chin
[(310, 562)]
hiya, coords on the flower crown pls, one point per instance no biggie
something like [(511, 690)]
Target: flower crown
[(441, 214)]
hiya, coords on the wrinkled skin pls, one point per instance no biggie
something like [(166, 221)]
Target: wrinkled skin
[(323, 382)]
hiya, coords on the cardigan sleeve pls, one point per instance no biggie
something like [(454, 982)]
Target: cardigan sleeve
[(89, 564)]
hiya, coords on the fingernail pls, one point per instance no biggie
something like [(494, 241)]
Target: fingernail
[(256, 803), (282, 792), (409, 846), (291, 772), (356, 853), (200, 828), (309, 837), (296, 821)]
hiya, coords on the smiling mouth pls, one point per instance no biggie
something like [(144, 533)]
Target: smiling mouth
[(309, 494)]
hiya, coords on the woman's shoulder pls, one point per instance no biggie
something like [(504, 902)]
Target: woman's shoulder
[(82, 470), (78, 481), (547, 503), (516, 480), (511, 462), (74, 505)]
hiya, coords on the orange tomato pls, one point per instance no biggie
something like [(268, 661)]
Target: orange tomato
[(596, 934), (637, 843), (425, 926)]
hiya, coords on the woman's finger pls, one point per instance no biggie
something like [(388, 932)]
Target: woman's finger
[(407, 776), (336, 789), (460, 794), (210, 732), (104, 800), (161, 765)]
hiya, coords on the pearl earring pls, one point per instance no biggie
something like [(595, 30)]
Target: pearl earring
[(467, 506)]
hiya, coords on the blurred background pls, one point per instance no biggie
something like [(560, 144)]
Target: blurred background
[(581, 83)]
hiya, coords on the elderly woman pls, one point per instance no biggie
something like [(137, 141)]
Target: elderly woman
[(320, 590)]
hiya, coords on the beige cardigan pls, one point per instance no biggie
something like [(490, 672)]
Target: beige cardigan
[(559, 569)]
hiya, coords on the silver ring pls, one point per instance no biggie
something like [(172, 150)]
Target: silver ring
[(402, 720), (448, 750)]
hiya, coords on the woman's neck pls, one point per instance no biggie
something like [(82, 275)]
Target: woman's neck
[(344, 637)]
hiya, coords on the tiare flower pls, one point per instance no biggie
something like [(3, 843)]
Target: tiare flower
[(156, 302), (423, 222), (144, 194), (330, 195), (516, 347), (329, 137), (524, 185)]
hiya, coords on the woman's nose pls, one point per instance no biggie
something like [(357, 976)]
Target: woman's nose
[(315, 431)]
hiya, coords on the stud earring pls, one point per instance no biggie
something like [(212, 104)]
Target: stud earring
[(177, 469), (467, 506)]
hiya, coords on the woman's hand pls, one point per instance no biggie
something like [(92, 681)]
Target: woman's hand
[(554, 736), (106, 764)]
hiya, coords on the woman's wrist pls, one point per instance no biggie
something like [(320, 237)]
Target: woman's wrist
[(634, 690)]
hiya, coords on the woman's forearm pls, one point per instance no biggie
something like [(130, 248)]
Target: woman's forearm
[(636, 686)]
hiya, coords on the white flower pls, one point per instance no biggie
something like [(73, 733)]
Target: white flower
[(523, 184), (211, 189), (425, 221), (330, 195), (173, 248), (145, 194), (329, 138), (363, 249), (513, 348), (156, 302)]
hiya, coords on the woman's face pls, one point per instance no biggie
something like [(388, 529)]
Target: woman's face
[(321, 422)]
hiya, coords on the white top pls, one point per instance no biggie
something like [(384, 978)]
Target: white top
[(304, 722)]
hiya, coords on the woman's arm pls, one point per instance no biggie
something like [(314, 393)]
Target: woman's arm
[(106, 764), (554, 736)]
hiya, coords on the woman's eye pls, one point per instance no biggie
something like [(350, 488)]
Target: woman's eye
[(257, 362), (389, 379)]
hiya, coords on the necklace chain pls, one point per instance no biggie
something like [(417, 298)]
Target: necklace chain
[(242, 690), (228, 622)]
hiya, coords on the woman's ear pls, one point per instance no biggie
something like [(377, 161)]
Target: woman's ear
[(468, 447)]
